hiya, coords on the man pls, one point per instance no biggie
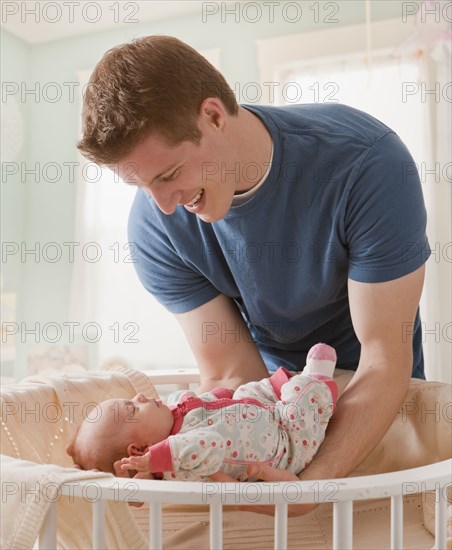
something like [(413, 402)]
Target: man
[(268, 229)]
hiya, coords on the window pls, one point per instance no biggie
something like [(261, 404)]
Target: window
[(377, 90)]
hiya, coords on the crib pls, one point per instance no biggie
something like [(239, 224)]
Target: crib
[(342, 499)]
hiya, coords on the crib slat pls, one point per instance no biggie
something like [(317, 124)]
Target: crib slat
[(48, 532), (155, 526), (216, 526), (98, 524), (343, 525), (397, 523), (281, 526), (440, 520)]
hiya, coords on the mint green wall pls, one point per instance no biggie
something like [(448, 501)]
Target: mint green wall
[(15, 62), (15, 65), (43, 212)]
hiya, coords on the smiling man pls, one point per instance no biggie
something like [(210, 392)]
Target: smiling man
[(268, 229)]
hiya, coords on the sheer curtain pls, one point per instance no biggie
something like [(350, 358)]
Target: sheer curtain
[(107, 299), (116, 314), (438, 194)]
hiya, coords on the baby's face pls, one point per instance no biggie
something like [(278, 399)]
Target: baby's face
[(146, 420), (139, 422)]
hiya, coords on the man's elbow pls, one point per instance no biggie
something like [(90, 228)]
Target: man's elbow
[(394, 367)]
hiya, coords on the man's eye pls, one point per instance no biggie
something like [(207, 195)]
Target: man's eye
[(172, 176)]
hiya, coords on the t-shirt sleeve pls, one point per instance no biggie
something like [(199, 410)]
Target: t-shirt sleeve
[(385, 218), (163, 272)]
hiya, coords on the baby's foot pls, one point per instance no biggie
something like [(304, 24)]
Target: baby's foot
[(321, 360)]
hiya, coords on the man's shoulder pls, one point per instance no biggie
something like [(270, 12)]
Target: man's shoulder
[(334, 120)]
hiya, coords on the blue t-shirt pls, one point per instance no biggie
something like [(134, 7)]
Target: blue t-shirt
[(341, 200)]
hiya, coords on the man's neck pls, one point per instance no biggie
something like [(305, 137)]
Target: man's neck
[(255, 146)]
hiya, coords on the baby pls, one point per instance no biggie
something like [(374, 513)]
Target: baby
[(280, 420)]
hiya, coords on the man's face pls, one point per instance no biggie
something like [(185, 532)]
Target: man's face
[(190, 176)]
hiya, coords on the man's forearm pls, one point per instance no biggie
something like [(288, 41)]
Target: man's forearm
[(364, 413)]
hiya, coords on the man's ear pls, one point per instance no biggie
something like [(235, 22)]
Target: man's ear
[(137, 450), (70, 449), (213, 111)]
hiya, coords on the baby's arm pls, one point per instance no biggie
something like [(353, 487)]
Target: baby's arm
[(201, 451)]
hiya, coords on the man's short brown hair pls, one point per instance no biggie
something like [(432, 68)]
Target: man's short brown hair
[(152, 85)]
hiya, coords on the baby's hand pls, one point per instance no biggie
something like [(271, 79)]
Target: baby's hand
[(137, 463), (130, 473)]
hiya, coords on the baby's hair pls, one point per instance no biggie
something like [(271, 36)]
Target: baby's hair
[(101, 456)]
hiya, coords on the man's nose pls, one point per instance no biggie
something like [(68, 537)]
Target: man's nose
[(166, 200)]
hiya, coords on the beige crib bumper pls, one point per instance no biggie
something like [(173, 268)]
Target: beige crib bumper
[(39, 418)]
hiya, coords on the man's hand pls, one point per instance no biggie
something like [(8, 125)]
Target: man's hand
[(266, 473)]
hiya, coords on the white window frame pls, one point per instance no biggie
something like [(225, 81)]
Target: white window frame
[(275, 55)]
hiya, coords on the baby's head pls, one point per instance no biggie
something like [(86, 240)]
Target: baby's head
[(117, 428)]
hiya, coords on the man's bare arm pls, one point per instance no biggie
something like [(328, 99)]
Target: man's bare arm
[(222, 345), (370, 402)]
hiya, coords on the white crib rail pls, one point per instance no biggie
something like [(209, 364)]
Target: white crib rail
[(340, 492), (434, 477)]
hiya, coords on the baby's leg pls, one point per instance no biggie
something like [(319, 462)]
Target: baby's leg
[(305, 409), (317, 374), (309, 395), (262, 391)]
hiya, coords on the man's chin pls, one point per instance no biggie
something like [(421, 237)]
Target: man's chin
[(210, 217)]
